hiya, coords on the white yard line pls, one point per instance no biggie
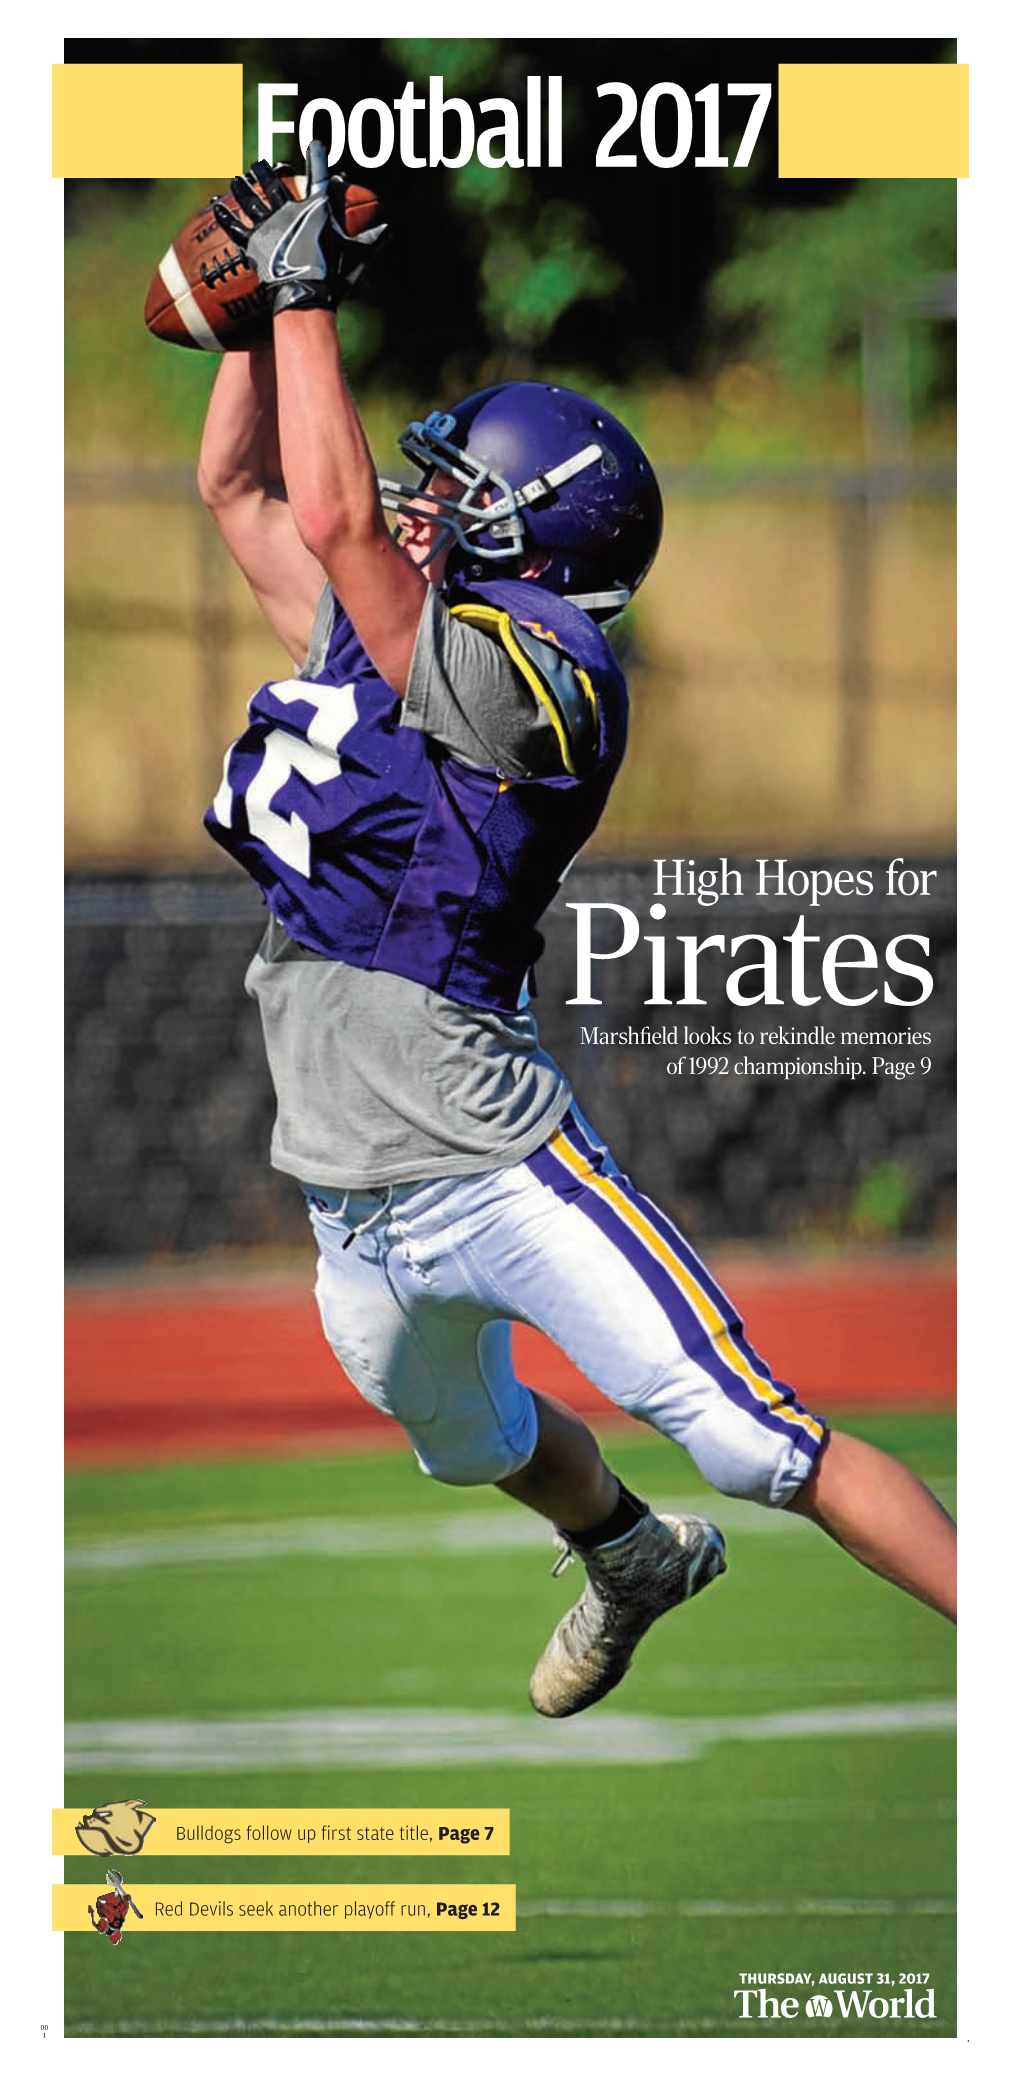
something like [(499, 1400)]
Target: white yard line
[(450, 1534), (359, 2024), (227, 1543), (438, 1738)]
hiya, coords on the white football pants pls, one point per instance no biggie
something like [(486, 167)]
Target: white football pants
[(418, 1305)]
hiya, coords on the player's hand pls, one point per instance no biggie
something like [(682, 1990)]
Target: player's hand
[(300, 248)]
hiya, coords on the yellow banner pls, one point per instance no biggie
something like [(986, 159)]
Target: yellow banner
[(290, 1908), (123, 1829), (854, 122), (147, 122)]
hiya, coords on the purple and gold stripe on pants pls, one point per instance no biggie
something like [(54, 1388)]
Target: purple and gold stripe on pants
[(705, 1322)]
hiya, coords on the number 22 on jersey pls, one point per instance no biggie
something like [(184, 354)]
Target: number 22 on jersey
[(315, 756)]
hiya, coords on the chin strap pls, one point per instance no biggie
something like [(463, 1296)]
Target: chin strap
[(614, 601), (501, 516), (527, 495)]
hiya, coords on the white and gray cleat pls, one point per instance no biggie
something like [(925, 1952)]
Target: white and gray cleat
[(631, 1582)]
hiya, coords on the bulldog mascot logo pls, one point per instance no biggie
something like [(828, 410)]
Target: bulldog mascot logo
[(115, 1828)]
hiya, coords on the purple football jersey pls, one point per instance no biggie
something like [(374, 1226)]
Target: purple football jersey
[(375, 845)]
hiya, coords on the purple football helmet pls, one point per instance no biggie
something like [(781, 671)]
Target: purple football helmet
[(549, 477)]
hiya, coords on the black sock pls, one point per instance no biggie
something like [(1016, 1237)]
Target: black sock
[(626, 1514)]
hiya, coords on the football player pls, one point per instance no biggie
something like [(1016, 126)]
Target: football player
[(408, 802)]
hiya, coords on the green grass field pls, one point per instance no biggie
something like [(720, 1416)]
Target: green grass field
[(771, 1789)]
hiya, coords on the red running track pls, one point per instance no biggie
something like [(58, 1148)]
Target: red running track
[(159, 1372)]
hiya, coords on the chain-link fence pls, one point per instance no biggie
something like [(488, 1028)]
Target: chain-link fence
[(170, 1105)]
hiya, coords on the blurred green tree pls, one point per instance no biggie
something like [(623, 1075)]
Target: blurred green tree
[(809, 284), (621, 283)]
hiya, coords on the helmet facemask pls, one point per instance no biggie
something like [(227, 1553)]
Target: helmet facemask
[(488, 502), (487, 521)]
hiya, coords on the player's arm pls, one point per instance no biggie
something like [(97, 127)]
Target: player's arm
[(333, 492), (240, 478), (308, 261)]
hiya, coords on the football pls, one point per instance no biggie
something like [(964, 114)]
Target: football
[(206, 293)]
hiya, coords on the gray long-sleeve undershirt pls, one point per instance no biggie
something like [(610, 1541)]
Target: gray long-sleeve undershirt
[(378, 1079)]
